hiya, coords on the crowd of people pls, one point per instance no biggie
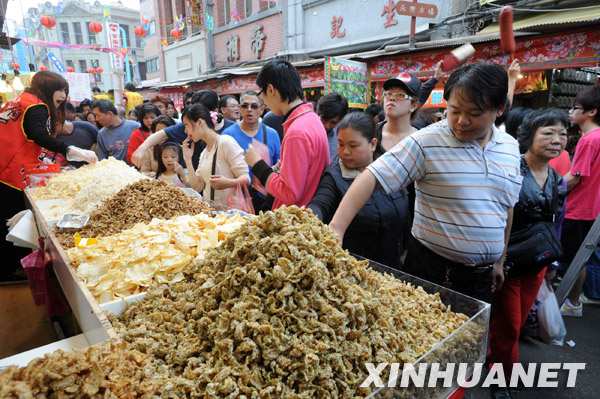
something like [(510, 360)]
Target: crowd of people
[(442, 201)]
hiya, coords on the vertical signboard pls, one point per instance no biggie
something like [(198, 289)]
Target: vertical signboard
[(79, 86), (114, 41), (348, 78)]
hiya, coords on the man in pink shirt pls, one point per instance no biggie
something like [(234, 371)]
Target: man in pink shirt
[(583, 183), (304, 149)]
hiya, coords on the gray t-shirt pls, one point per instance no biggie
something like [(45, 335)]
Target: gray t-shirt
[(113, 141)]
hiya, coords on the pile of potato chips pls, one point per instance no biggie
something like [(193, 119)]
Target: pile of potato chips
[(148, 254)]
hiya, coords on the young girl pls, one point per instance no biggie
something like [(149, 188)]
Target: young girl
[(221, 166), (147, 115), (170, 167), (150, 162)]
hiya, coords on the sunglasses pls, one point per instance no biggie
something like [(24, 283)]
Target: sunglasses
[(246, 105)]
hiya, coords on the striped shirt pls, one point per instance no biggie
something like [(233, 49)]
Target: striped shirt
[(463, 192)]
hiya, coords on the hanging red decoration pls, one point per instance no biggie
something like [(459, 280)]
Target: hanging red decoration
[(95, 27), (69, 69), (47, 21), (176, 34), (15, 66), (44, 68), (99, 70), (92, 70), (140, 31)]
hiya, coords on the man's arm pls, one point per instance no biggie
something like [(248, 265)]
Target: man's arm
[(138, 155), (571, 180), (356, 197), (498, 267)]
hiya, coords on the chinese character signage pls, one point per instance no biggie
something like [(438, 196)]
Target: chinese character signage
[(336, 25), (388, 11), (348, 78), (416, 9), (114, 41), (233, 48), (79, 86), (436, 99), (257, 40)]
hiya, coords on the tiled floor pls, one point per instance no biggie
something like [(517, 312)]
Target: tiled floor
[(23, 326)]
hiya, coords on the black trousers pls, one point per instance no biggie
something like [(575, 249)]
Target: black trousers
[(469, 280), (13, 202)]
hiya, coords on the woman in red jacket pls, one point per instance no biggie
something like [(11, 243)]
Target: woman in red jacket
[(28, 124)]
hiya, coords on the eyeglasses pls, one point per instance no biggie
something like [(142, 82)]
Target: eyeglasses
[(396, 96), (246, 105), (233, 106), (576, 108), (260, 92)]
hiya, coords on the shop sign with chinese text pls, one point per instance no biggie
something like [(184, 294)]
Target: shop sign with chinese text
[(416, 9)]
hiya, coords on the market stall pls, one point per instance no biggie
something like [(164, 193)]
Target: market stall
[(270, 305)]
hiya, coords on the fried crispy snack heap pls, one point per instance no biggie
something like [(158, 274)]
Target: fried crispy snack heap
[(141, 201), (279, 310), (109, 370)]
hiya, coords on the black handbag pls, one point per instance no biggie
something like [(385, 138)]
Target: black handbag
[(529, 250)]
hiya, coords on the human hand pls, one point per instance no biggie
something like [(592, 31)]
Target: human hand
[(177, 168), (188, 150), (438, 74), (497, 275), (78, 154), (252, 156), (220, 183), (339, 234), (277, 166), (514, 70)]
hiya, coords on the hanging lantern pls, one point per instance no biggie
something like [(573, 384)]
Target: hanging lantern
[(95, 27), (92, 70), (140, 31), (43, 68), (99, 70), (176, 34), (47, 21), (69, 69)]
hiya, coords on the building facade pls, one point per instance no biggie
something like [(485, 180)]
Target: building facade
[(72, 28)]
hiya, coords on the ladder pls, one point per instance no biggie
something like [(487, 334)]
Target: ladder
[(583, 255)]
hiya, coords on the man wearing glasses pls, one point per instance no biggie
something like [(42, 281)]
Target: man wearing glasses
[(400, 103), (250, 128), (583, 183), (230, 108)]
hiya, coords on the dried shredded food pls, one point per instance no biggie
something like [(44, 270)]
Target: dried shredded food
[(279, 310), (138, 202), (105, 370)]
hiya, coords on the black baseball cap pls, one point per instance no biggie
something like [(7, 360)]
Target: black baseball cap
[(406, 81)]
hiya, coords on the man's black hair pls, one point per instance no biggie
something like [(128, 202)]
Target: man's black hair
[(70, 107), (129, 86), (484, 85), (589, 99), (332, 105), (105, 106), (283, 76), (224, 100), (373, 109)]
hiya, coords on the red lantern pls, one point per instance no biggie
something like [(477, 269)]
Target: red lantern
[(140, 31), (99, 70), (92, 70), (43, 68), (69, 69), (95, 27), (176, 34), (14, 66), (48, 22)]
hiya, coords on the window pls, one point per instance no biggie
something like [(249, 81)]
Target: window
[(126, 42), (152, 65), (152, 28), (64, 32), (267, 5), (70, 64), (78, 33), (247, 8), (83, 66), (227, 9), (91, 35)]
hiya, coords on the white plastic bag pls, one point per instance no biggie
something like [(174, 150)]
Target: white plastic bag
[(552, 328)]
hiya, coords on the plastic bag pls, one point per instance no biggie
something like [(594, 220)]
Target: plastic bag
[(552, 328), (42, 281), (239, 198), (37, 175)]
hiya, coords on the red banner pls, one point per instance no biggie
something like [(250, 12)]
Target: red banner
[(571, 50)]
